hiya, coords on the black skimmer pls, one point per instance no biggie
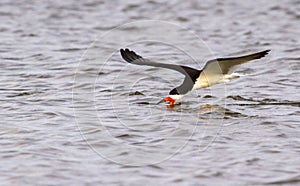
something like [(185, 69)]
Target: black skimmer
[(214, 72)]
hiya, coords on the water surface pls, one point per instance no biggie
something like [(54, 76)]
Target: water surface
[(69, 116)]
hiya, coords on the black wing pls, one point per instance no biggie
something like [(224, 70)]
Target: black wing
[(191, 74), (225, 65)]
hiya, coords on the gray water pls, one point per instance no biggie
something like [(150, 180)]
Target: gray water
[(74, 113)]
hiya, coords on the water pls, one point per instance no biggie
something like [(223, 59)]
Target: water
[(70, 115)]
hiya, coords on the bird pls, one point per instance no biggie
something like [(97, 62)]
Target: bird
[(214, 72)]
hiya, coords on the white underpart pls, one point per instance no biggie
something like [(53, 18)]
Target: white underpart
[(229, 77), (204, 82), (176, 97), (207, 81)]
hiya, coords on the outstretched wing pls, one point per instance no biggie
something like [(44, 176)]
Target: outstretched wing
[(191, 74), (225, 65), (214, 70), (133, 58)]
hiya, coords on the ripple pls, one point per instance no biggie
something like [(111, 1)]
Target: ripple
[(51, 134), (292, 179)]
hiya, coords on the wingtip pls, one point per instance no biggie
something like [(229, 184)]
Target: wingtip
[(261, 54), (124, 50), (266, 52), (129, 55), (124, 54)]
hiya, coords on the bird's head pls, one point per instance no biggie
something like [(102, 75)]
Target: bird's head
[(173, 96)]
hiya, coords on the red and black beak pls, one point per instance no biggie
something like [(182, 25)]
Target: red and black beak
[(170, 100)]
